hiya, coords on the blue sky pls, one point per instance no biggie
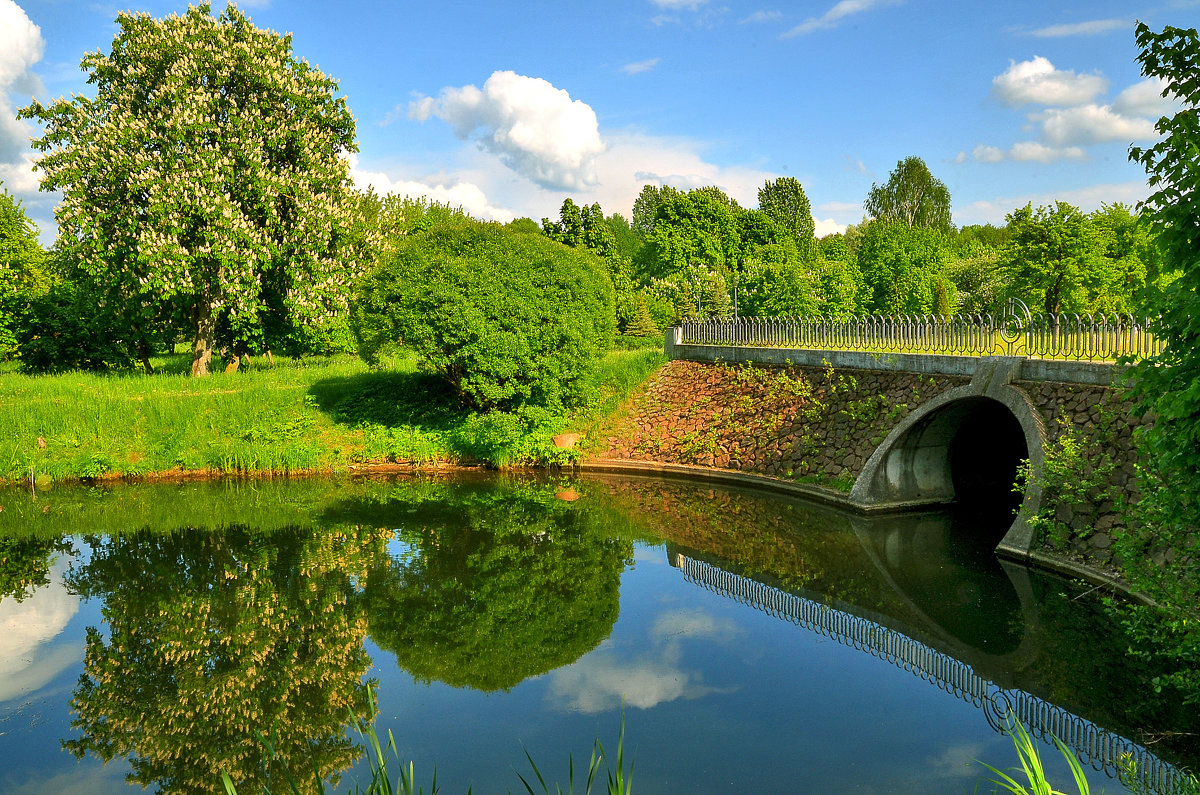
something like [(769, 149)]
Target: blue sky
[(506, 109)]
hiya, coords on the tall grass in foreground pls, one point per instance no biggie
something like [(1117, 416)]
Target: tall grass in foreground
[(1034, 773)]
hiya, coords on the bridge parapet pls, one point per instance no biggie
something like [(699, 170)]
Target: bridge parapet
[(1014, 332)]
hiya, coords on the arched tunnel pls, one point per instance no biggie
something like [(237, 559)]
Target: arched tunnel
[(964, 451)]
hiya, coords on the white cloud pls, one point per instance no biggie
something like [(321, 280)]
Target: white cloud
[(21, 46), (1027, 151), (827, 226), (603, 680), (455, 193), (1087, 199), (637, 67), (679, 5), (537, 130), (1089, 28), (1091, 124), (1037, 81), (18, 176), (30, 657), (1146, 99), (762, 16), (834, 16)]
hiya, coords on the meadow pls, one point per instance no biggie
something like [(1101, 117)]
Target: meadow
[(312, 414)]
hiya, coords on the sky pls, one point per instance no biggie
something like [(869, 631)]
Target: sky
[(506, 109)]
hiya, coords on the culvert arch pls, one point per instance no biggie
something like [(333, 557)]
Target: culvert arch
[(963, 447)]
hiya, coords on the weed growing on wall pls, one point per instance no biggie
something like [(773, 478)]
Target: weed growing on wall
[(1076, 478)]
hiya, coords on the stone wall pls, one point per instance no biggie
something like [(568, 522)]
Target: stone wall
[(803, 423), (1090, 475), (820, 425)]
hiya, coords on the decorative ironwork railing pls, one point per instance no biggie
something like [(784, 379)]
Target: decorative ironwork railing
[(1015, 332), (1101, 749)]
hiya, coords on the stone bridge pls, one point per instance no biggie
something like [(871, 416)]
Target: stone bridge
[(894, 431), (1093, 744)]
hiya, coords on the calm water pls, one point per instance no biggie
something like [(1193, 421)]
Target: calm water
[(757, 643)]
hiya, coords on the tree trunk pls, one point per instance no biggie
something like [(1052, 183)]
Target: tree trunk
[(143, 349), (202, 347)]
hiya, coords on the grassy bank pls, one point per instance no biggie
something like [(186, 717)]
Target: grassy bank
[(319, 414)]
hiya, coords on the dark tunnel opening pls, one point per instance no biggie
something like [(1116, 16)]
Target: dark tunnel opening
[(985, 454)]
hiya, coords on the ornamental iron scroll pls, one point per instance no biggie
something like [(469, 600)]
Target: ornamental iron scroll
[(1014, 332)]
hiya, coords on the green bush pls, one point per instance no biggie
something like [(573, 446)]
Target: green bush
[(508, 318)]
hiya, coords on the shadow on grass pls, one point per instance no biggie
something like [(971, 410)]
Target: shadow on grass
[(390, 399)]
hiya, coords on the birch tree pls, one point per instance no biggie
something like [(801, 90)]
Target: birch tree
[(207, 174)]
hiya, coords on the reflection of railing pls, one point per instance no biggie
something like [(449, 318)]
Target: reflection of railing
[(1015, 332), (1095, 746)]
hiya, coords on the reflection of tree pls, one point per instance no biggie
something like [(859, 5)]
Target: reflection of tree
[(214, 636), (501, 585), (25, 564)]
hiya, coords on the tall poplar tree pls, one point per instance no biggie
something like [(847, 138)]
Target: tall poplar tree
[(208, 173)]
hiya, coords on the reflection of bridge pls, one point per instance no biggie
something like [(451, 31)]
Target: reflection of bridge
[(1092, 744)]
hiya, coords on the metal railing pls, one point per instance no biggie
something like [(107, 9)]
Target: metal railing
[(1015, 332), (1095, 746)]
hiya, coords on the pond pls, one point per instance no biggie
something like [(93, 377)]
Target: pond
[(155, 635)]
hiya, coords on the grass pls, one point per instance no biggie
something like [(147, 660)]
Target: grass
[(380, 758), (315, 414)]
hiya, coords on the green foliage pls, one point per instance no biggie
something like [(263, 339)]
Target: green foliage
[(508, 584), (25, 563), (1169, 384), (1054, 259), (21, 269), (1032, 769), (697, 229), (619, 781), (784, 201), (206, 177), (507, 319), (900, 267), (978, 280), (912, 196), (1075, 473), (260, 629)]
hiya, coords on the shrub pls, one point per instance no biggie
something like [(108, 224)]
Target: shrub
[(508, 318)]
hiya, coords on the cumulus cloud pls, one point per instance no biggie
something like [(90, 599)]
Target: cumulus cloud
[(834, 16), (827, 226), (453, 192), (637, 67), (21, 46), (1146, 99), (537, 130), (1038, 82), (1087, 199), (1090, 28), (1027, 151), (1091, 124)]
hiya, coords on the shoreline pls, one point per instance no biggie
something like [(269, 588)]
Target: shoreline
[(1038, 559)]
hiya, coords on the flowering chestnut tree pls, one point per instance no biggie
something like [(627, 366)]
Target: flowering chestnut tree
[(207, 177)]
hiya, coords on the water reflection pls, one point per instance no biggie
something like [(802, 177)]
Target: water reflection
[(253, 619), (495, 582), (213, 636)]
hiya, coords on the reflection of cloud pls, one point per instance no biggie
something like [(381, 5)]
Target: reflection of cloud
[(956, 761), (29, 658), (602, 680), (692, 624), (82, 780)]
